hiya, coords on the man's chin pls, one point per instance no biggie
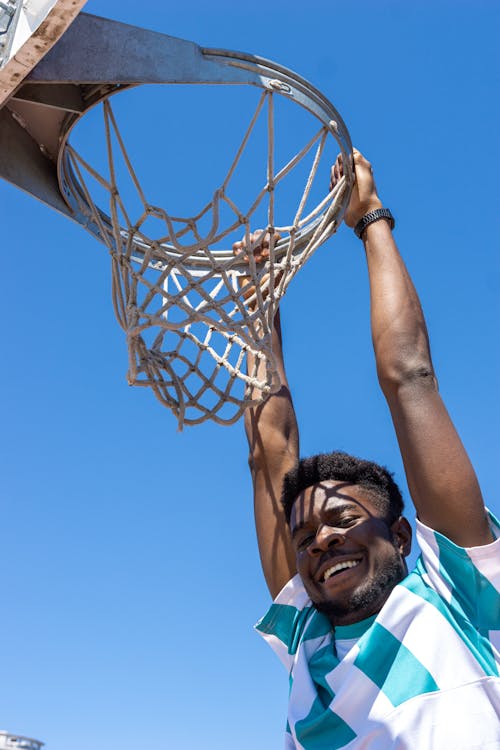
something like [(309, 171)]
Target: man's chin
[(347, 614), (365, 600)]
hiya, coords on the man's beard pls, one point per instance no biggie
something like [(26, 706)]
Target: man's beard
[(368, 595)]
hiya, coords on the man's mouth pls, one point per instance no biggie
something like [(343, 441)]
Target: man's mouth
[(338, 568)]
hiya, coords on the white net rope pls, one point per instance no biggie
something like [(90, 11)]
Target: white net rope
[(191, 312)]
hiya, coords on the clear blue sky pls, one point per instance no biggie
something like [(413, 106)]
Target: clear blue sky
[(129, 570)]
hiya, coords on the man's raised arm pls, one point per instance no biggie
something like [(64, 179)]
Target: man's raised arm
[(273, 440), (441, 479)]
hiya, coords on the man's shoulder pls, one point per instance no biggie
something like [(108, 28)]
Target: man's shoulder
[(452, 570)]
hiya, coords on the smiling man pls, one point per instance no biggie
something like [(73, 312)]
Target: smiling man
[(350, 551), (377, 657)]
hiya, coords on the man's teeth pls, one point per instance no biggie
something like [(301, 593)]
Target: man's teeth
[(339, 566)]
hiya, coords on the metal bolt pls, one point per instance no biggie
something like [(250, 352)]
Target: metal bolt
[(279, 86)]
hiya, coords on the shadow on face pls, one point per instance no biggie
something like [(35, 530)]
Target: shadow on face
[(348, 555)]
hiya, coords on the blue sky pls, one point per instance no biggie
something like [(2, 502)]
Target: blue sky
[(130, 577)]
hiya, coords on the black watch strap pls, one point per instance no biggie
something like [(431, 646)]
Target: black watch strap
[(370, 217)]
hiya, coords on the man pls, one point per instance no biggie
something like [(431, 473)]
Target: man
[(377, 658)]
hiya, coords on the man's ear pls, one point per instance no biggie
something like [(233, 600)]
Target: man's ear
[(402, 534)]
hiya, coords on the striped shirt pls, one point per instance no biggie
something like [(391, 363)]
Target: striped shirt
[(423, 674)]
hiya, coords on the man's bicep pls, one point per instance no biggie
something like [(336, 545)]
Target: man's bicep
[(440, 476)]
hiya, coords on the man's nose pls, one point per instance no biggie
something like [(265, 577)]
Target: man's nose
[(326, 537)]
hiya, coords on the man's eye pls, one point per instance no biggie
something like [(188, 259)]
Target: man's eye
[(346, 521), (304, 542)]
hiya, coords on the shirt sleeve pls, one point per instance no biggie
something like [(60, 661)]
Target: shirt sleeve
[(284, 624), (467, 578)]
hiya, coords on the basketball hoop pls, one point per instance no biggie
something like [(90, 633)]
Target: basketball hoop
[(190, 308)]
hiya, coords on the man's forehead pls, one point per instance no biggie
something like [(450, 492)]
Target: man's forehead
[(332, 492), (330, 495)]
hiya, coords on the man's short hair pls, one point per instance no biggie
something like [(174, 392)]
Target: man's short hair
[(342, 467)]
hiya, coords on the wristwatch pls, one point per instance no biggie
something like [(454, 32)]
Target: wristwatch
[(370, 217)]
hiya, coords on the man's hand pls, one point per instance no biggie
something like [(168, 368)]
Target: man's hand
[(364, 197), (259, 245)]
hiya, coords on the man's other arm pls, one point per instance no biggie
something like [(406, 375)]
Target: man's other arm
[(441, 479), (273, 440)]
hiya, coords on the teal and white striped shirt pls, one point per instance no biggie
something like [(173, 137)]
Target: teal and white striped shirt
[(423, 674)]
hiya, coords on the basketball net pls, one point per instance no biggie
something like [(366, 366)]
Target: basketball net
[(191, 313)]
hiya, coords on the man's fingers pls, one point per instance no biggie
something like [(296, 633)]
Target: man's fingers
[(336, 171), (339, 166), (364, 196), (265, 240), (258, 242)]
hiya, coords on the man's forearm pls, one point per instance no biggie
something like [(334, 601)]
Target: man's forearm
[(273, 421), (399, 331)]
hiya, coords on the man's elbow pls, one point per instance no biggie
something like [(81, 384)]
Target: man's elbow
[(413, 373)]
